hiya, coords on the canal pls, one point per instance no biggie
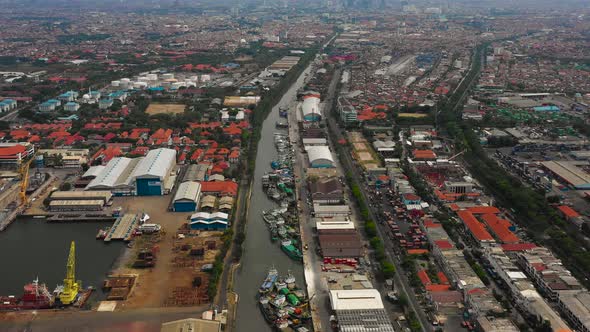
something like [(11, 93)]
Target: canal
[(260, 253), (31, 248)]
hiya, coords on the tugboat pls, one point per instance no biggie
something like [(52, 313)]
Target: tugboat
[(35, 296), (269, 282)]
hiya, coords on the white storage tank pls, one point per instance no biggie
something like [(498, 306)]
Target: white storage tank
[(115, 83)]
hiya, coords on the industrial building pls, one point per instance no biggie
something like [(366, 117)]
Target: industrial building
[(144, 176), (116, 177), (339, 242), (196, 172), (360, 310), (326, 190), (152, 173), (187, 197), (331, 210), (569, 172), (12, 154), (104, 196), (310, 108), (209, 221), (319, 156), (76, 205), (70, 158)]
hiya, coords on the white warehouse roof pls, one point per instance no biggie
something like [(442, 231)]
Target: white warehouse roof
[(93, 171), (356, 299), (310, 105), (157, 163), (319, 152), (116, 173), (190, 190), (209, 216)]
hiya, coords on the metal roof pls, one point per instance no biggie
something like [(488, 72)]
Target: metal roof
[(188, 191), (157, 163), (116, 173), (311, 105), (355, 299), (319, 152), (93, 171)]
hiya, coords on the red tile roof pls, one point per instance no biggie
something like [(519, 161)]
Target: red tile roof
[(437, 288), (223, 187), (500, 227), (443, 278), (568, 211), (475, 227), (444, 244), (10, 151), (424, 154), (423, 276), (483, 210), (518, 246)]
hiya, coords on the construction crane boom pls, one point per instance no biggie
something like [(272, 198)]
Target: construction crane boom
[(71, 287), (23, 171)]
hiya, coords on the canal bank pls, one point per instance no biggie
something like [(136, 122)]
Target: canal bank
[(259, 253), (33, 248)]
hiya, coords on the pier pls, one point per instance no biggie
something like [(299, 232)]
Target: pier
[(122, 228)]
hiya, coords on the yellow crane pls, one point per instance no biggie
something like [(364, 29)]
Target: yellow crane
[(23, 171), (71, 286)]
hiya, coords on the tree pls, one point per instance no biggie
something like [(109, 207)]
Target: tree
[(388, 269)]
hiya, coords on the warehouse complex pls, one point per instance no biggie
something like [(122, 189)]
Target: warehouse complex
[(144, 176)]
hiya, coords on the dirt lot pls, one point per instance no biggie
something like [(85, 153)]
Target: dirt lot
[(175, 269), (165, 108)]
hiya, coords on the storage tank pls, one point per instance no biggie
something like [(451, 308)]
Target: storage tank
[(125, 80), (115, 83)]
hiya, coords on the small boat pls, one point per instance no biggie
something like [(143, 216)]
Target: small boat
[(269, 282), (102, 233), (279, 300), (290, 280)]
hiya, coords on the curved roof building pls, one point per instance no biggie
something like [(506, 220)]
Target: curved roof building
[(320, 156), (311, 108)]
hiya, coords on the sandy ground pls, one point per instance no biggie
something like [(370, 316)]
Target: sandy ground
[(154, 286), (165, 108)]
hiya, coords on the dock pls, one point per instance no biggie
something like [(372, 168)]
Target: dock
[(77, 217), (123, 228)]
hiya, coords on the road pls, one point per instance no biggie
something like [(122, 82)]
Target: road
[(401, 280)]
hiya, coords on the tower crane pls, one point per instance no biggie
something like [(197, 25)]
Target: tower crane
[(71, 286)]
